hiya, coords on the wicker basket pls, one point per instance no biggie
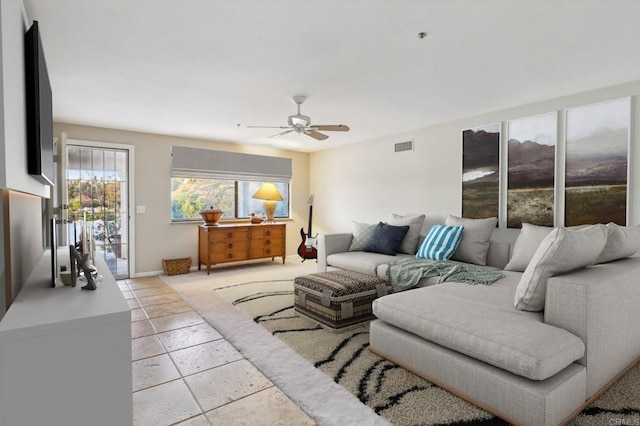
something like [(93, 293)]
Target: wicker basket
[(176, 266)]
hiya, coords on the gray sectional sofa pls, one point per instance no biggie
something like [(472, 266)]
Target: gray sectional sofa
[(532, 367)]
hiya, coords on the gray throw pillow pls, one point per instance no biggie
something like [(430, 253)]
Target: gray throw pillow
[(410, 242), (622, 241), (386, 239), (474, 245), (362, 233), (562, 250), (526, 245)]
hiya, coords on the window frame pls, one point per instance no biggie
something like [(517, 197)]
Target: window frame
[(236, 204)]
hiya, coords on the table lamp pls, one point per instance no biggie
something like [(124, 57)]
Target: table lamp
[(269, 193)]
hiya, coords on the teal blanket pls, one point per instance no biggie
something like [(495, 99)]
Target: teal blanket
[(404, 274)]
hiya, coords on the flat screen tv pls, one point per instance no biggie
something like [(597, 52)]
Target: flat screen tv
[(39, 109)]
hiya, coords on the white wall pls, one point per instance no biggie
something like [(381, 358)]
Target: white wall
[(20, 214), (366, 181), (158, 238)]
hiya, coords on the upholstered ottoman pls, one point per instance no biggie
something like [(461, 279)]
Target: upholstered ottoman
[(338, 300)]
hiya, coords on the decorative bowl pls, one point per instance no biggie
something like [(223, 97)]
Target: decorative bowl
[(211, 216)]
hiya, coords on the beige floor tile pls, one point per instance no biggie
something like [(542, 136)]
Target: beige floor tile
[(188, 336), (160, 299), (173, 322), (230, 382), (133, 303), (144, 347), (128, 295), (267, 407), (152, 291), (153, 371), (195, 421), (138, 314), (141, 329), (167, 309), (123, 287), (165, 404), (145, 282), (205, 356)]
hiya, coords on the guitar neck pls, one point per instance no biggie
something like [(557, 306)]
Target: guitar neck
[(310, 220)]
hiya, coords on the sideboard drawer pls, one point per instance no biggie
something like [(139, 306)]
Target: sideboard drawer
[(229, 234), (267, 231), (266, 251)]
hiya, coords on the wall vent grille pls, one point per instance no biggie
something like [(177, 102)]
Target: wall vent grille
[(403, 146)]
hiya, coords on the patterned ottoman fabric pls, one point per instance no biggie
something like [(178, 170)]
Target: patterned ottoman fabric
[(338, 299)]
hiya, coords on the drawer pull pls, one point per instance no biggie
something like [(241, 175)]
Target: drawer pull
[(229, 235), (268, 233), (230, 256), (268, 251), (267, 242), (230, 245)]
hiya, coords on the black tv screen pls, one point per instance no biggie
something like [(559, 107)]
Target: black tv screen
[(39, 109)]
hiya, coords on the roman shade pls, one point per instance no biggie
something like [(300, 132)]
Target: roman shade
[(207, 163)]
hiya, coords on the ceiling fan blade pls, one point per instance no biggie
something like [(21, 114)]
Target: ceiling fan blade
[(316, 135), (332, 127), (281, 133), (268, 127)]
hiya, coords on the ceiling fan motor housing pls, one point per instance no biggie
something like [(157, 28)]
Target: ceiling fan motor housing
[(299, 122)]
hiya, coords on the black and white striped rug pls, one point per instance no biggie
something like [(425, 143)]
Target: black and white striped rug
[(394, 393)]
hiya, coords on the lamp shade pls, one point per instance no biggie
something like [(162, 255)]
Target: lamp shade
[(268, 191)]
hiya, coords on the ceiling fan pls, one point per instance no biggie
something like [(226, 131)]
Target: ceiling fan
[(302, 124)]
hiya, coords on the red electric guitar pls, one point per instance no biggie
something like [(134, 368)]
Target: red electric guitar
[(308, 246)]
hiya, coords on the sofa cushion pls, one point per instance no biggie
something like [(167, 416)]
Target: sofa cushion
[(362, 233), (362, 261), (526, 245), (410, 241), (441, 242), (474, 244), (563, 250), (480, 322), (622, 241), (386, 239)]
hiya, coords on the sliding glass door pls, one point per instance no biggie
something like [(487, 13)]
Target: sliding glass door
[(97, 188)]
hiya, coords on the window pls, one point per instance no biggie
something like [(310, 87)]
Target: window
[(191, 195)]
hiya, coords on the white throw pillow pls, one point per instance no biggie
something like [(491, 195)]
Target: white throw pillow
[(474, 244), (362, 233), (562, 250), (622, 241), (526, 245), (410, 242)]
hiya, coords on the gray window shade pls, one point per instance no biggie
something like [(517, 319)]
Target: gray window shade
[(207, 163)]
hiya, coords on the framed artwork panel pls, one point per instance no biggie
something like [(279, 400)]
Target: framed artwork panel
[(481, 171), (597, 151), (531, 166)]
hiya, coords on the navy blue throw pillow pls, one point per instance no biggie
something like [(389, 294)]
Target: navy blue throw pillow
[(386, 239)]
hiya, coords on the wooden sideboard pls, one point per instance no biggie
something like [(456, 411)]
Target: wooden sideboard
[(235, 242)]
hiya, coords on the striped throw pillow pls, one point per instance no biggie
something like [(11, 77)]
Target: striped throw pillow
[(441, 242)]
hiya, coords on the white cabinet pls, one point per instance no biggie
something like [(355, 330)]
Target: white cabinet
[(65, 354)]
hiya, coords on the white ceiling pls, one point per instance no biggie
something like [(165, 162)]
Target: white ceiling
[(198, 68)]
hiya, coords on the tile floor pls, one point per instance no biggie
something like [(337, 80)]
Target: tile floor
[(186, 373)]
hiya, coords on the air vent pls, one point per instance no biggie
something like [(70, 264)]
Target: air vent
[(403, 146)]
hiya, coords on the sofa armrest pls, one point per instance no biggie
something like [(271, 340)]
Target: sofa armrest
[(599, 304), (329, 244)]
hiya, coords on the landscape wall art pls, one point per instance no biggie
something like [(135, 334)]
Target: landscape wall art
[(531, 170), (480, 171), (597, 141)]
